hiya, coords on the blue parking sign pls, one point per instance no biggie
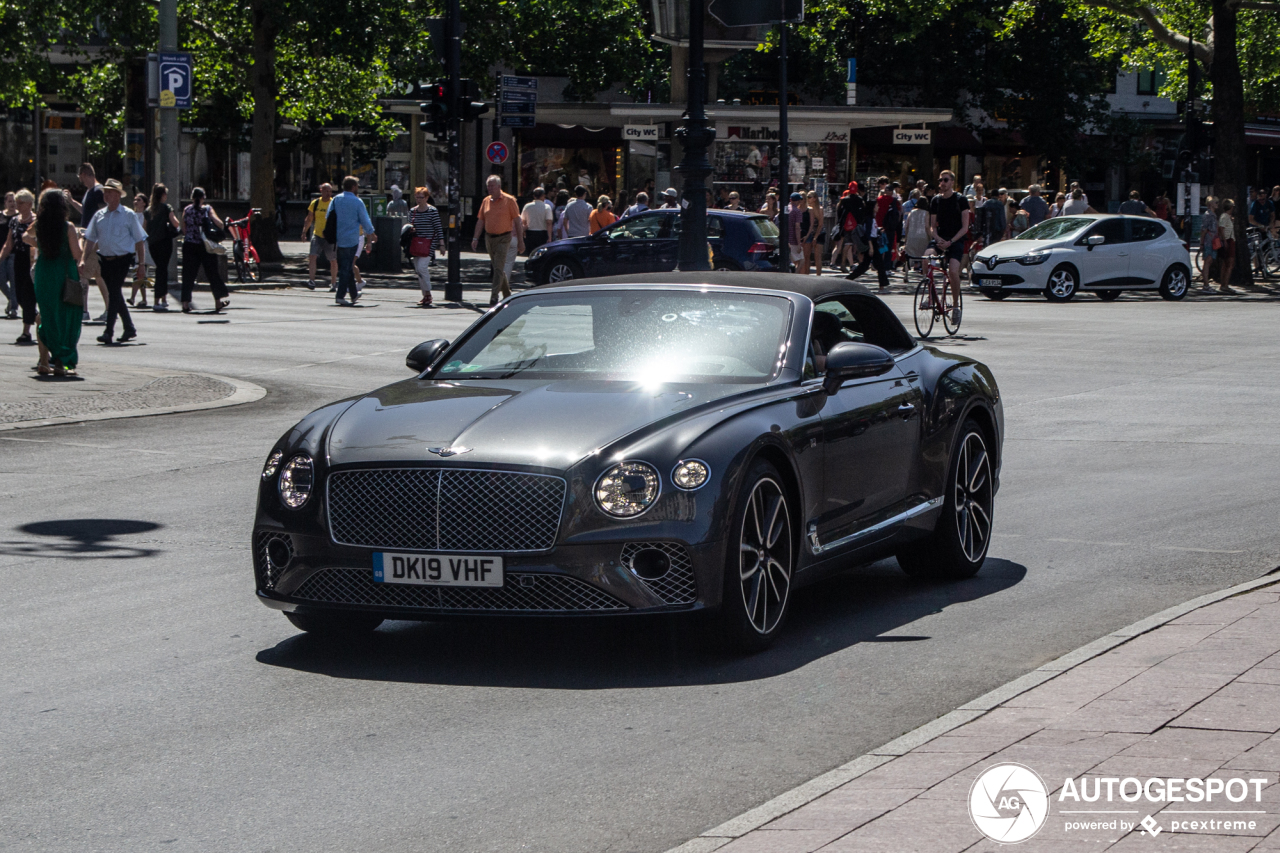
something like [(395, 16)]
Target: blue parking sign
[(175, 80)]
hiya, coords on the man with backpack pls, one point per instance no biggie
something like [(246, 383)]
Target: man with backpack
[(315, 222), (849, 212)]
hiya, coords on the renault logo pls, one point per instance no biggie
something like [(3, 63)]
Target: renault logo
[(992, 261)]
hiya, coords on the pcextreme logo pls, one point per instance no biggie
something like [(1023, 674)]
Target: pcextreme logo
[(1010, 803)]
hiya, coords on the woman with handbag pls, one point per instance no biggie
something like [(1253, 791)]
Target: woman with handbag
[(161, 226), (199, 251), (427, 234), (57, 284)]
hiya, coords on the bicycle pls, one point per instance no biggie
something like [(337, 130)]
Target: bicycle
[(929, 304), (1264, 250), (244, 254)]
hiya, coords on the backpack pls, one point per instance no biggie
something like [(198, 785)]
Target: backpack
[(892, 218), (331, 225)]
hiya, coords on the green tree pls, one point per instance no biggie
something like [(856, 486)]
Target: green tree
[(1235, 42)]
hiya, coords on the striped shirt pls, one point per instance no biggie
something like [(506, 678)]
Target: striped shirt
[(426, 223)]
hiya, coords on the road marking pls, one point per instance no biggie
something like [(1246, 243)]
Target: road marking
[(1195, 550), (1089, 542)]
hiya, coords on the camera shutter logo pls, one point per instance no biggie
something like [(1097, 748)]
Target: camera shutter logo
[(1008, 803)]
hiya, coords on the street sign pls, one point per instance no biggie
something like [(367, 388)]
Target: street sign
[(517, 101), (517, 108), (517, 121), (509, 82), (519, 96), (912, 137), (755, 13), (175, 80), (641, 132), (853, 71), (497, 153)]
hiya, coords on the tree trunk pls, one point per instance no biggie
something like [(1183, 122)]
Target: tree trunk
[(262, 161), (1229, 177)]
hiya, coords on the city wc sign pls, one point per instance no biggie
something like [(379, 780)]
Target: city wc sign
[(913, 136)]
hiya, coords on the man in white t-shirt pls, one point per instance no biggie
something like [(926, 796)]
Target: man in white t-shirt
[(537, 216)]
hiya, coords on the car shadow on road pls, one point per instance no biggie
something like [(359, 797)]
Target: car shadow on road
[(865, 605)]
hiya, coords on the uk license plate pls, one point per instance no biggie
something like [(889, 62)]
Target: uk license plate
[(437, 569)]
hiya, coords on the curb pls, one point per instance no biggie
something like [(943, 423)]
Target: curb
[(717, 837), (246, 392)]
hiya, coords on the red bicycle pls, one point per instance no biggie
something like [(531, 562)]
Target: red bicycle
[(243, 253), (932, 301)]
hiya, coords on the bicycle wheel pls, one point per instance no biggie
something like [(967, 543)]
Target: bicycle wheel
[(1197, 260), (951, 309), (1271, 261), (922, 308)]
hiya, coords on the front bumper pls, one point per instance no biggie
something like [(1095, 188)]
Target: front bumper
[(593, 579)]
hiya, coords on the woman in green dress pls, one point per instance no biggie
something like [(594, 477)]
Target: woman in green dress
[(59, 256)]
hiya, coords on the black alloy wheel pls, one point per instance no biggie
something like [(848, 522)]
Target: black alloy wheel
[(563, 269), (338, 625), (1176, 283), (759, 563), (1063, 284), (1108, 295), (958, 545)]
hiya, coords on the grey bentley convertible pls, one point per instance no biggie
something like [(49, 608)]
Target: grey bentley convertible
[(660, 443)]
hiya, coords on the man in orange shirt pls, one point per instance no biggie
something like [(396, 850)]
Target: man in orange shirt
[(499, 217)]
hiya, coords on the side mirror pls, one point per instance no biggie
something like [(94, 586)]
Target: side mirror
[(424, 354), (1095, 240), (852, 360)]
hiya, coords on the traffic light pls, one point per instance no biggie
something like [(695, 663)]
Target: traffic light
[(469, 104), (437, 110)]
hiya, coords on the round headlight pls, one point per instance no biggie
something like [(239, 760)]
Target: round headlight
[(627, 489), (690, 474), (273, 465), (295, 481)]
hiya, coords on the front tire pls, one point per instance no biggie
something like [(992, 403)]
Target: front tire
[(922, 309), (759, 563), (339, 625), (1064, 283), (1176, 283), (958, 546), (562, 269)]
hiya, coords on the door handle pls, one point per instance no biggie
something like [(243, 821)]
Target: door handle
[(906, 410)]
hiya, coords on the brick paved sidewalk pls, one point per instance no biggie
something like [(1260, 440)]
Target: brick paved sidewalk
[(1197, 698), (106, 391)]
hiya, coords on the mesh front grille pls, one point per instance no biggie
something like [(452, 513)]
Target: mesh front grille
[(677, 586), (424, 509), (546, 594)]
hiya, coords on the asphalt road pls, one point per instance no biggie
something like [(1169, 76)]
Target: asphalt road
[(151, 703)]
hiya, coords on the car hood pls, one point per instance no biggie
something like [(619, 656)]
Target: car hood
[(527, 422), (1015, 248)]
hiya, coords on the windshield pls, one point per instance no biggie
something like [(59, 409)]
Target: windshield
[(1052, 229), (642, 335)]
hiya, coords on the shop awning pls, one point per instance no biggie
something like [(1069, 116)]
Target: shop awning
[(617, 115), (1262, 134)]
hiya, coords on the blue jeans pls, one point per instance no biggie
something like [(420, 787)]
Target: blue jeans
[(6, 283), (346, 275)]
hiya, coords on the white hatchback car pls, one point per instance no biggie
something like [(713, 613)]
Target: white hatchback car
[(1098, 253)]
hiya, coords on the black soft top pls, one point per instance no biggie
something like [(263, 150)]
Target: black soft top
[(812, 286)]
